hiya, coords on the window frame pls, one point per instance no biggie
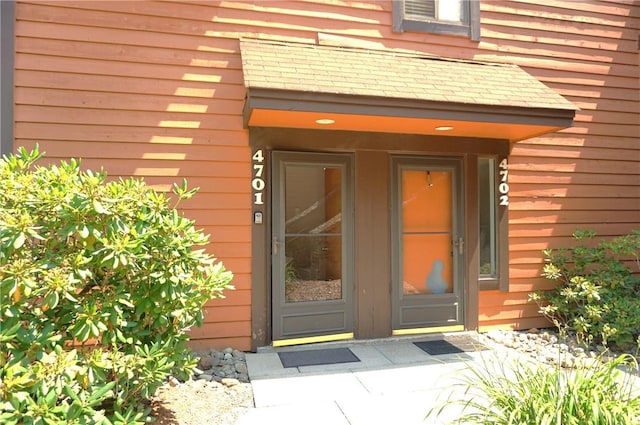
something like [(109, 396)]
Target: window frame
[(491, 215), (470, 26), (501, 235)]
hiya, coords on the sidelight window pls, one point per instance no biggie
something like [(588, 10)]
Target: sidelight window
[(487, 204)]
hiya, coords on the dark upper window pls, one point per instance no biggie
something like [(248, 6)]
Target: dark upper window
[(456, 17)]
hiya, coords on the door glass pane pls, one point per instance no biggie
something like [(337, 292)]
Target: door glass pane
[(313, 268), (427, 263), (426, 201), (313, 227), (313, 199)]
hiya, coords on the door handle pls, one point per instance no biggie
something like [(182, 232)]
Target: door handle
[(459, 243), (274, 245)]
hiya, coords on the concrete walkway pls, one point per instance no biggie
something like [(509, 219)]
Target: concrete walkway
[(395, 382)]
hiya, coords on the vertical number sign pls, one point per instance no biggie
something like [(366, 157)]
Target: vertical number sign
[(503, 187), (257, 183)]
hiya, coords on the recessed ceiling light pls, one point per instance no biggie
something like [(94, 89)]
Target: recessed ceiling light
[(444, 128), (325, 121)]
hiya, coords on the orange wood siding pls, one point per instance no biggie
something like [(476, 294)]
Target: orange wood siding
[(141, 89), (584, 177), (155, 89)]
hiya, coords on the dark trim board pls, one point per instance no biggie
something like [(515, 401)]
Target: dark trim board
[(298, 101), (472, 238), (372, 223), (352, 141), (7, 13), (261, 264)]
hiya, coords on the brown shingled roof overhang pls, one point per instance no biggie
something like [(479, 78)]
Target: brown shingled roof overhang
[(294, 85)]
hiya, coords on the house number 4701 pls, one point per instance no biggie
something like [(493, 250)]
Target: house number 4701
[(257, 183), (503, 187)]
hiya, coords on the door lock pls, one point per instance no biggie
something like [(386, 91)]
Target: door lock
[(257, 217)]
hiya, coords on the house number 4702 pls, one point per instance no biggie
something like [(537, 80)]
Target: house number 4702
[(257, 183), (503, 187)]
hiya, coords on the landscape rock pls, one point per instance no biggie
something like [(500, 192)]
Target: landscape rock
[(547, 346), (219, 365), (241, 368), (230, 382), (205, 362)]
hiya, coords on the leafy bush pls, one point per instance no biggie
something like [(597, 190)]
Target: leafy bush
[(597, 296), (99, 283), (502, 392)]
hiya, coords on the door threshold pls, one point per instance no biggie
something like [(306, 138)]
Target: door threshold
[(369, 341), (312, 339), (431, 330)]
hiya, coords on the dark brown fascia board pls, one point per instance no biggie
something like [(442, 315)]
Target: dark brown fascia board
[(345, 140), (300, 101)]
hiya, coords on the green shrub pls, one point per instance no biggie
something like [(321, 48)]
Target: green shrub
[(597, 296), (501, 392), (99, 283)]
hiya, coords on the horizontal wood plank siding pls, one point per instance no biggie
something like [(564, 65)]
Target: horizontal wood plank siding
[(155, 89), (584, 177), (138, 93)]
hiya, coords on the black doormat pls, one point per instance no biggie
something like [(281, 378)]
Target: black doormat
[(317, 357), (450, 345)]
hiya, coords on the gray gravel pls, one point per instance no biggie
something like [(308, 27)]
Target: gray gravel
[(218, 365), (218, 394), (547, 346)]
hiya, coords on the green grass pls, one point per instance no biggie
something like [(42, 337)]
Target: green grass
[(500, 392)]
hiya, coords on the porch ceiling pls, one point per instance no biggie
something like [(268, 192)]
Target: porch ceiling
[(294, 85)]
